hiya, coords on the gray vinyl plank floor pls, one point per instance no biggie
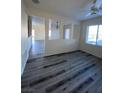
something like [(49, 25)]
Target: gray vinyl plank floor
[(75, 72)]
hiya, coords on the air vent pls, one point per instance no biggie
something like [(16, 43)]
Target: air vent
[(36, 1)]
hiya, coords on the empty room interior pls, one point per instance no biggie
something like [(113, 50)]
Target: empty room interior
[(61, 46)]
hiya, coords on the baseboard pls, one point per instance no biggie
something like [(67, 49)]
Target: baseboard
[(91, 54), (72, 52), (62, 53)]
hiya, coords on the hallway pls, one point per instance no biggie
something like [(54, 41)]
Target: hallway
[(37, 49)]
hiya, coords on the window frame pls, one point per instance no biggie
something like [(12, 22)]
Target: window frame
[(97, 35)]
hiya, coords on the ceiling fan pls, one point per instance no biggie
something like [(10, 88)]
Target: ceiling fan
[(36, 1), (95, 8)]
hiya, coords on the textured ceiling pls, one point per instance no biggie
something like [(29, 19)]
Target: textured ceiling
[(74, 9)]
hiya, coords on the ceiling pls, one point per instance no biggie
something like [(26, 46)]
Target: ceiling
[(74, 9)]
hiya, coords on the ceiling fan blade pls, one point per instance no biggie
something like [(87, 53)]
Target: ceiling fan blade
[(36, 1), (98, 3), (89, 14)]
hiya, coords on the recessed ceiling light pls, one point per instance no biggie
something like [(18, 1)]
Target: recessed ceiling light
[(36, 1)]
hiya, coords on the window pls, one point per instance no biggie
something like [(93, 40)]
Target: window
[(33, 35), (54, 30), (94, 35), (67, 31), (67, 34)]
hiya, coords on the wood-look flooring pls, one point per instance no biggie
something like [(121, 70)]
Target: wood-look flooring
[(75, 72)]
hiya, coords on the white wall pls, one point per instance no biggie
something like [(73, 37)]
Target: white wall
[(25, 40), (92, 49), (39, 31), (59, 45)]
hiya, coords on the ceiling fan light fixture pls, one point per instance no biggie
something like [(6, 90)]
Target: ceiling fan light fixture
[(94, 9), (36, 1), (94, 1)]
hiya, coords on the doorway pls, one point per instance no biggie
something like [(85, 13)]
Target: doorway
[(38, 37)]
